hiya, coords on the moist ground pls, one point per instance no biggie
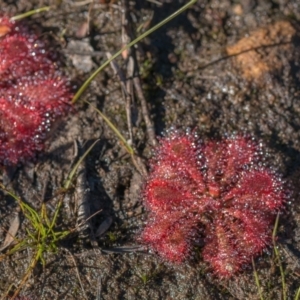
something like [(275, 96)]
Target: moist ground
[(192, 75)]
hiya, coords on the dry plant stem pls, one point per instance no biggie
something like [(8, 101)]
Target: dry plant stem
[(99, 289), (89, 16), (118, 71), (145, 111), (125, 249), (4, 297), (129, 97), (136, 79), (26, 276), (93, 215), (77, 272), (67, 199), (83, 224), (127, 91), (142, 36), (82, 204), (140, 165), (126, 94), (82, 200)]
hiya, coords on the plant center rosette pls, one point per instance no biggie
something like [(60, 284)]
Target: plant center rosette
[(217, 191), (34, 94)]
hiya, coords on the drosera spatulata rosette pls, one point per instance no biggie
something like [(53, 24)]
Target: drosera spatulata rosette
[(34, 94), (216, 191), (33, 84)]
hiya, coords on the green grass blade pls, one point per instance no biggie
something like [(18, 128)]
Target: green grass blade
[(30, 234), (275, 229), (33, 214), (60, 235), (21, 245), (297, 296), (278, 258), (3, 188), (68, 182), (114, 129), (30, 213), (104, 65), (30, 13), (44, 215), (72, 173), (55, 215), (257, 281)]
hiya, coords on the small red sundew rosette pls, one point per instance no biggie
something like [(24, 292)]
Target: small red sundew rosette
[(218, 188), (34, 94)]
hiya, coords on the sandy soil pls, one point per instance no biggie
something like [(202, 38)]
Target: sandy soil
[(192, 75)]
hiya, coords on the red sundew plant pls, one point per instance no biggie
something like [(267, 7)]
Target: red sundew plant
[(218, 191), (33, 93)]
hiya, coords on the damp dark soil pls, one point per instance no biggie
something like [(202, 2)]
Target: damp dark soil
[(221, 67)]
